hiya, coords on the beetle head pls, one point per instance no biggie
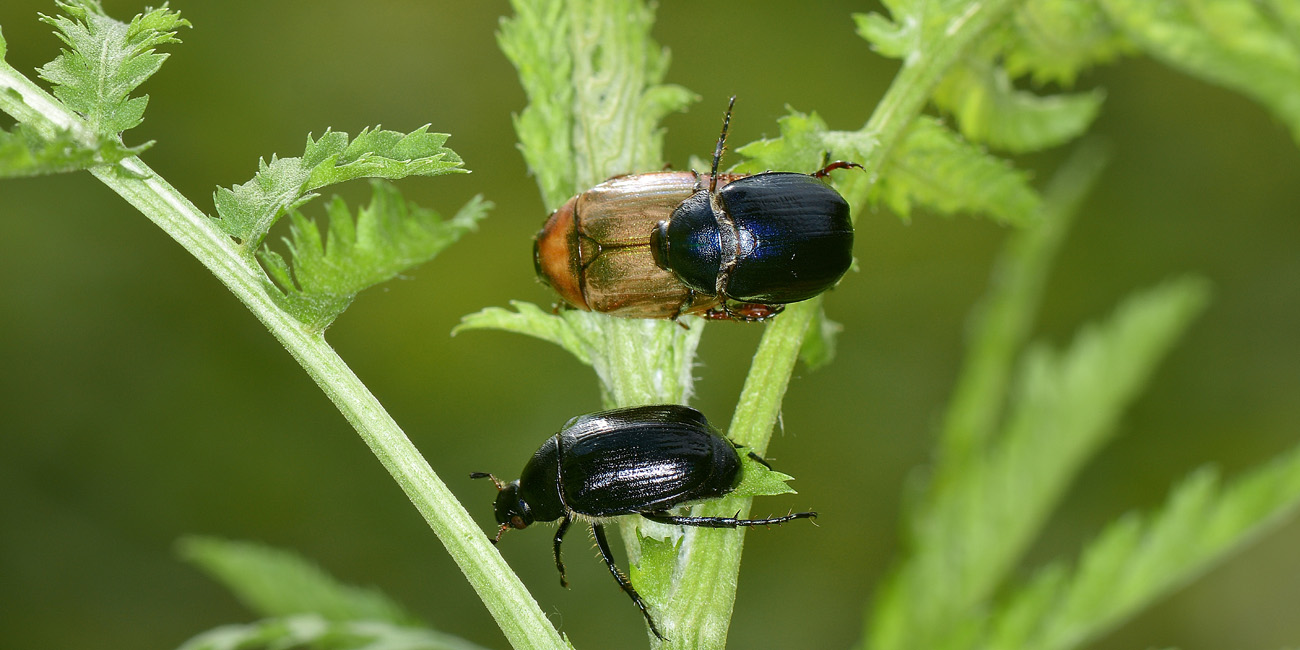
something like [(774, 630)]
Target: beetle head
[(510, 510)]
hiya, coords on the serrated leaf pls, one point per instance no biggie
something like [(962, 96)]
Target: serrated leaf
[(1052, 41), (989, 110), (311, 632), (912, 26), (974, 527), (249, 210), (1238, 44), (888, 38), (935, 167), (1141, 558), (530, 320), (654, 585), (800, 146), (274, 582), (23, 152), (107, 61), (757, 479), (571, 134), (608, 345), (387, 237)]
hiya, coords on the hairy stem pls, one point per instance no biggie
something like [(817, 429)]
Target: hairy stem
[(510, 603)]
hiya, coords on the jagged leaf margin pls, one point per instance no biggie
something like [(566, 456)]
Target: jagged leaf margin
[(387, 237), (108, 59), (246, 212)]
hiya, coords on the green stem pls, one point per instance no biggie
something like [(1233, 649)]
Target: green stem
[(700, 607), (511, 605), (697, 611)]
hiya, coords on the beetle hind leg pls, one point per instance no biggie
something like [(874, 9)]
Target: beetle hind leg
[(598, 531), (559, 537), (724, 522)]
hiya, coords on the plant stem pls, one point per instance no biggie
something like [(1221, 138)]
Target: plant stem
[(697, 612), (511, 605), (701, 607)]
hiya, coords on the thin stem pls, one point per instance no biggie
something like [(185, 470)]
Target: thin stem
[(700, 610), (511, 605)]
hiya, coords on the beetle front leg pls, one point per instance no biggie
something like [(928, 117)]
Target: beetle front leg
[(830, 167), (723, 522), (599, 532), (559, 537)]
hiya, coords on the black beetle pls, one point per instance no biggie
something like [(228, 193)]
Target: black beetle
[(642, 460), (733, 246)]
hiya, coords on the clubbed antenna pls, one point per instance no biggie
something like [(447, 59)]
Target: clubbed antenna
[(495, 481), (722, 142)]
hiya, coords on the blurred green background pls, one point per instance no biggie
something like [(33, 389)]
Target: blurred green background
[(140, 402)]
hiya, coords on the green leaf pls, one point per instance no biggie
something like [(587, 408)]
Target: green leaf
[(800, 146), (530, 320), (632, 356), (973, 528), (1248, 46), (654, 585), (1141, 558), (274, 582), (107, 60), (23, 152), (247, 211), (1002, 322), (311, 632), (387, 237), (990, 110), (757, 479), (891, 39), (566, 54), (1052, 41), (935, 167), (913, 26)]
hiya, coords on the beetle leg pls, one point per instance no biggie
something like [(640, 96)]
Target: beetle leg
[(599, 532), (723, 522), (838, 164), (759, 459), (559, 537), (746, 312)]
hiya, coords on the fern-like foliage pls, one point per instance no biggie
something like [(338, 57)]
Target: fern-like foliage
[(275, 582), (973, 527), (1053, 41), (387, 237), (23, 152), (565, 52), (305, 606), (1247, 45), (107, 61), (935, 167), (247, 211), (1140, 558), (989, 109), (309, 631)]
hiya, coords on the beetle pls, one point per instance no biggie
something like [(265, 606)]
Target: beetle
[(643, 460), (725, 246)]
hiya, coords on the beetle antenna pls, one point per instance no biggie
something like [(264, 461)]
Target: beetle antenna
[(722, 141), (495, 481), (500, 531)]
